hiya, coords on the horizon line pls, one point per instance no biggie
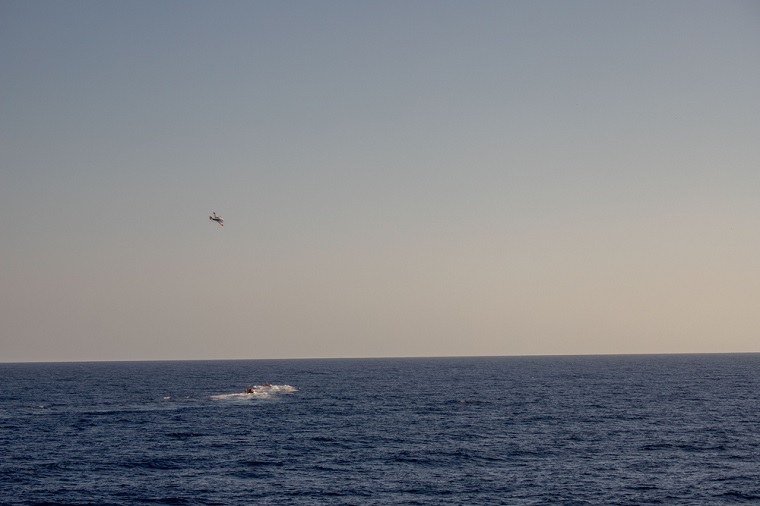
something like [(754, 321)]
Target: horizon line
[(568, 355)]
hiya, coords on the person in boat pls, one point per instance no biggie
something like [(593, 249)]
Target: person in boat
[(249, 390)]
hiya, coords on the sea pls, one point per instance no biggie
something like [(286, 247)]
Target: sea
[(572, 430)]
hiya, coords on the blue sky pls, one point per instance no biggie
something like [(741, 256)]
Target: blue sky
[(397, 178)]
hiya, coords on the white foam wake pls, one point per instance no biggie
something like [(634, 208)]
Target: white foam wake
[(258, 392)]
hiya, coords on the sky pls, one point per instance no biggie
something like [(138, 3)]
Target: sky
[(428, 178)]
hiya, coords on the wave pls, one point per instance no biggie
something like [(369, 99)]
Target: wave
[(258, 392)]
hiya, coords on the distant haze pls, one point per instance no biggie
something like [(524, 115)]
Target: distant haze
[(397, 178)]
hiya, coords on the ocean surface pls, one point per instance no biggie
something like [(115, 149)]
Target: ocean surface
[(670, 429)]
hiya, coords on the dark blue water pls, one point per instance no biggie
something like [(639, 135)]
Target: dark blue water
[(542, 430)]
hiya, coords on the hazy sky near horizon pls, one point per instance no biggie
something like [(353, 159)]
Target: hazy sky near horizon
[(425, 178)]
